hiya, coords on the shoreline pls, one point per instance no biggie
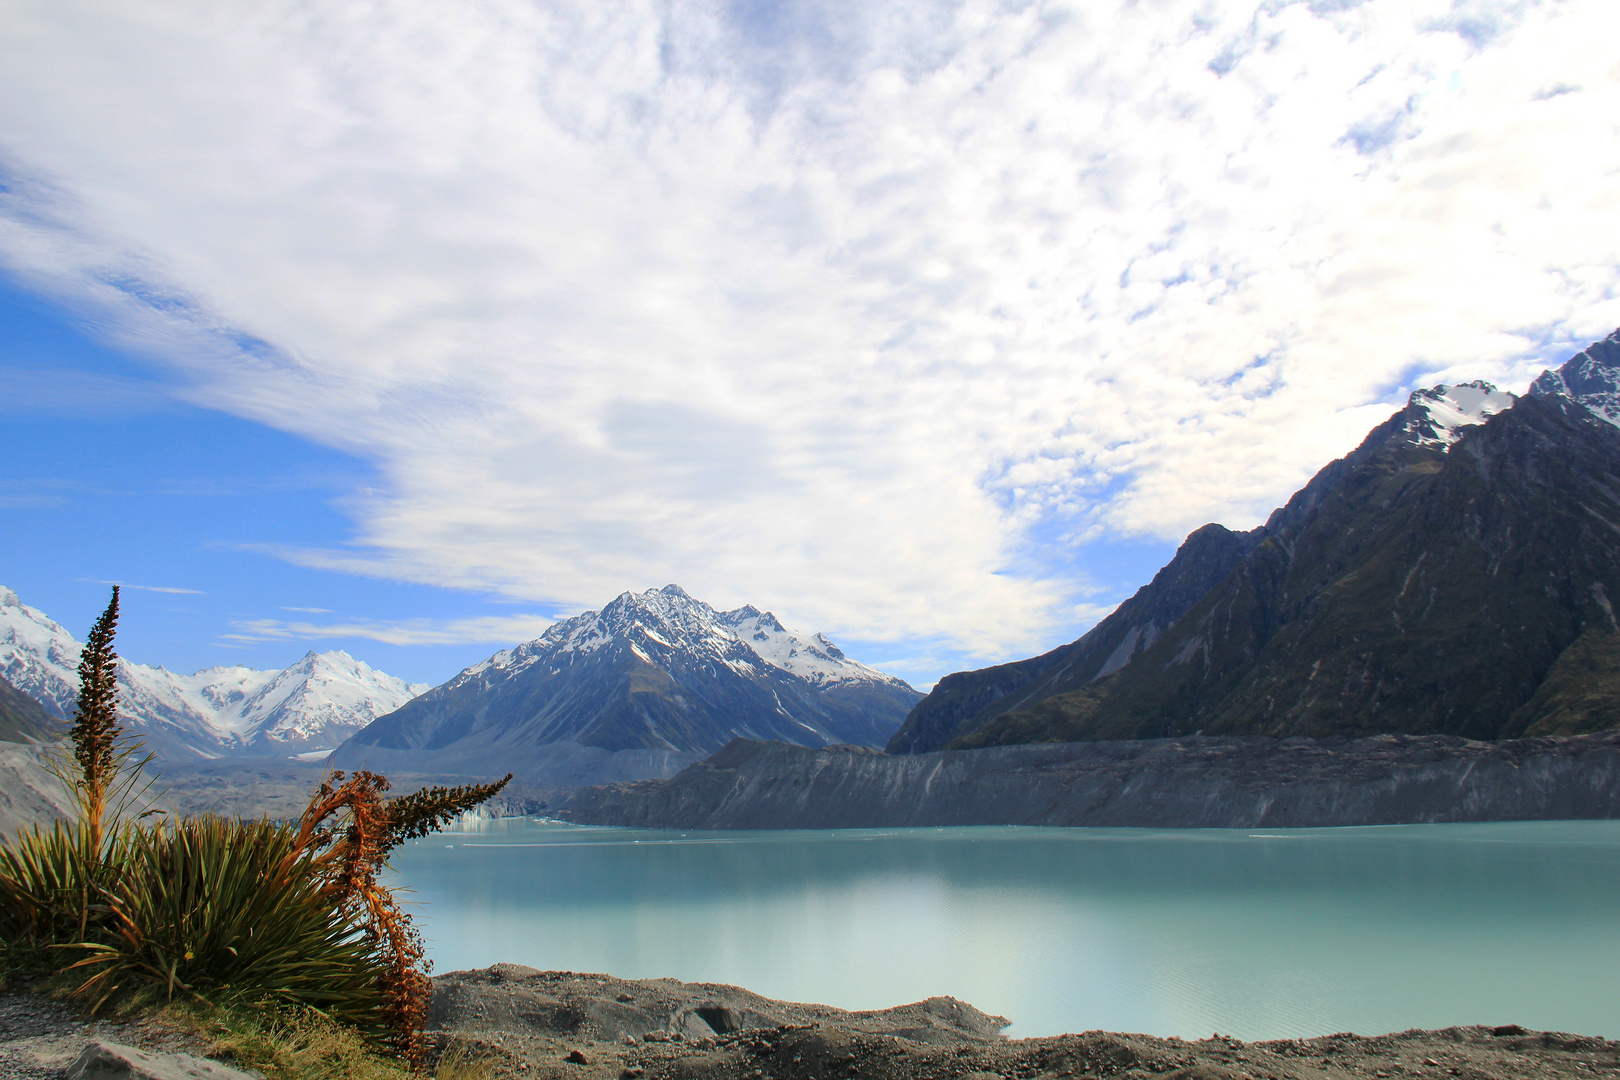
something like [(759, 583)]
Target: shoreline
[(547, 1025)]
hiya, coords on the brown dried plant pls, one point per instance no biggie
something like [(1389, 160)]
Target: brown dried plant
[(103, 768), (346, 834)]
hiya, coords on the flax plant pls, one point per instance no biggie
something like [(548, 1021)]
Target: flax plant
[(216, 910)]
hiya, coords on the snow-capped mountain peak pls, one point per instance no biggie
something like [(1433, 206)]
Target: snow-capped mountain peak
[(1591, 377), (1436, 417), (317, 702), (670, 620), (37, 654), (324, 696), (656, 672)]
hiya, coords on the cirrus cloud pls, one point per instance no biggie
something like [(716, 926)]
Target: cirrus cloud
[(491, 629)]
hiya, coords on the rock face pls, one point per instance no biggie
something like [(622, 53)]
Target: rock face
[(515, 1000), (221, 711), (1591, 376), (1453, 575), (30, 794), (1192, 782), (649, 684), (22, 719)]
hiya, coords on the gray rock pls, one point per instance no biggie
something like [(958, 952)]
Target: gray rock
[(114, 1061), (514, 1000)]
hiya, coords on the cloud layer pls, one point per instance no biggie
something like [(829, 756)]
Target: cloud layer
[(489, 630), (828, 307)]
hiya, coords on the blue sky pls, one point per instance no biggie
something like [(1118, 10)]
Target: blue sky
[(111, 479), (932, 326)]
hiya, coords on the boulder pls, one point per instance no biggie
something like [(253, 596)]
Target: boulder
[(113, 1061)]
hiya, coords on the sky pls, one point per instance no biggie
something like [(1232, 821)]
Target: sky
[(406, 328)]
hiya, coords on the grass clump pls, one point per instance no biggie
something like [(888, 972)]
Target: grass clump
[(287, 1043), (300, 1044)]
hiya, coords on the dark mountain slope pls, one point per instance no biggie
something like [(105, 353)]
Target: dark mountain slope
[(1433, 589), (964, 702)]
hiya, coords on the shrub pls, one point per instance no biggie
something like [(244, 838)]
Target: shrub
[(220, 910), (346, 834)]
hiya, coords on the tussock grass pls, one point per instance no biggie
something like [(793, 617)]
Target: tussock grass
[(298, 1044), (286, 1044)]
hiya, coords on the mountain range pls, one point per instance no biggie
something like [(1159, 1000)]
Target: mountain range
[(652, 682), (1453, 575), (221, 711)]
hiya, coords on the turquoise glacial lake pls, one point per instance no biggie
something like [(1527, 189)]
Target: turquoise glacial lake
[(1254, 933)]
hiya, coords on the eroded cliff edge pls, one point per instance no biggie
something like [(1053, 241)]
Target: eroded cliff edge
[(1191, 782)]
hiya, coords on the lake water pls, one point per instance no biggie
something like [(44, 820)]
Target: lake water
[(1258, 934)]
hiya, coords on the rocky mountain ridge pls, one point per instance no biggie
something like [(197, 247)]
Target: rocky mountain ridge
[(1183, 783), (1451, 575), (221, 711), (648, 684)]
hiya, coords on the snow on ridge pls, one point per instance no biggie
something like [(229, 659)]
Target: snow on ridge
[(815, 659), (326, 696), (669, 618), (1591, 377), (1437, 415), (323, 690)]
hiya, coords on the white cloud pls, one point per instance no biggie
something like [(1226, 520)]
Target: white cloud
[(169, 589), (493, 629), (822, 307)]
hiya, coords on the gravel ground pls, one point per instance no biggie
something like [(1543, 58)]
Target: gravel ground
[(539, 1025), (548, 1025), (39, 1038)]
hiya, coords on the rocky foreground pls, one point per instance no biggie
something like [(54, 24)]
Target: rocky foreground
[(549, 1025), (552, 1025)]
